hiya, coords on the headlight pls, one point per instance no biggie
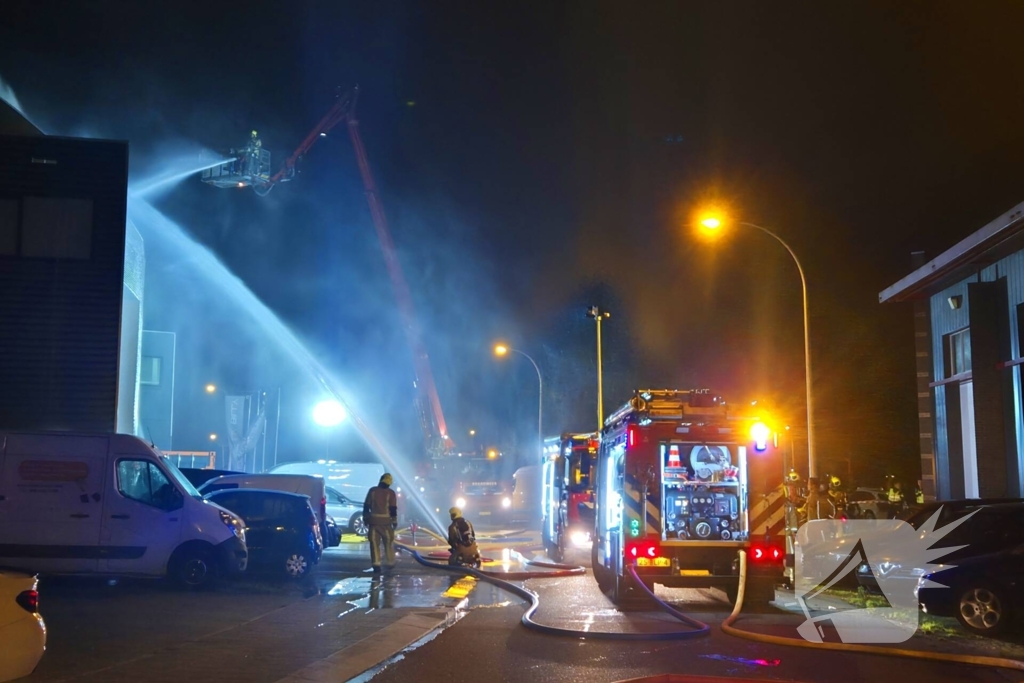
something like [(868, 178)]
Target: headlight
[(580, 538), (506, 502), (460, 502), (233, 523)]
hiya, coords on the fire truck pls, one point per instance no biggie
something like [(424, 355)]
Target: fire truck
[(480, 484), (568, 495), (676, 476)]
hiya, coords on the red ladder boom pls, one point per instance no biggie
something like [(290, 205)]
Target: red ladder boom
[(344, 110)]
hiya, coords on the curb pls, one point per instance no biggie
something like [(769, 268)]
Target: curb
[(358, 658)]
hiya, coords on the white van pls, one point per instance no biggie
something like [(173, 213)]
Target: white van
[(351, 479), (108, 504), (307, 485)]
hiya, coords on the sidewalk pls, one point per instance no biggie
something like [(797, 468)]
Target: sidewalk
[(309, 640)]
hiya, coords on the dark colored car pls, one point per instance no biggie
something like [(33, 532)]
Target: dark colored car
[(332, 539), (997, 525), (197, 477), (281, 530), (985, 593)]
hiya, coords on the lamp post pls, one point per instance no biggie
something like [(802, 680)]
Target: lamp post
[(712, 223), (599, 315), (329, 414), (501, 350)]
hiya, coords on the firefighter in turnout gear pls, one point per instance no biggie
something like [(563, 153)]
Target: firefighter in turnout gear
[(380, 514), (837, 495), (462, 540), (896, 500)]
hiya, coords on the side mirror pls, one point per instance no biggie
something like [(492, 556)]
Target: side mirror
[(169, 498)]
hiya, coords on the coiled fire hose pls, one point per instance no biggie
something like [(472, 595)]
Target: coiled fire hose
[(729, 629)]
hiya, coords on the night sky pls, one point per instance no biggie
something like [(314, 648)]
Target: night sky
[(537, 158)]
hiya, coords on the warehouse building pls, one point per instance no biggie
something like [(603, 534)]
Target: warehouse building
[(71, 276), (969, 333)]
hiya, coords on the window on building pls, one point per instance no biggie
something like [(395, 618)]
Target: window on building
[(960, 352), (149, 371), (56, 227)]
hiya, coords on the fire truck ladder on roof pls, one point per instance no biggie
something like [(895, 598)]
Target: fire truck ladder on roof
[(668, 404)]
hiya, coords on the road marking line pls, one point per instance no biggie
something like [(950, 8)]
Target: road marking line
[(461, 588)]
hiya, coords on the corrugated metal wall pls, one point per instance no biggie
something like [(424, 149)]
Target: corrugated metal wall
[(946, 320), (60, 318)]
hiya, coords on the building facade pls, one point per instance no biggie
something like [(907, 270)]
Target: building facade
[(70, 310), (156, 380), (969, 327)]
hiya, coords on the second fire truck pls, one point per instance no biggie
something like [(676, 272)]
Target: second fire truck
[(568, 494), (676, 478)]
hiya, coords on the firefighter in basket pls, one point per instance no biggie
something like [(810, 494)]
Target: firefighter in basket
[(462, 540)]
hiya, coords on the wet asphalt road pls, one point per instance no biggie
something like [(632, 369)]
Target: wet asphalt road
[(95, 625), (489, 644)]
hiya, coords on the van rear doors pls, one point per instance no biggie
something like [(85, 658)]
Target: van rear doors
[(51, 501)]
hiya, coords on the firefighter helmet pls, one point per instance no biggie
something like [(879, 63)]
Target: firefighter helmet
[(386, 478), (455, 513), (835, 482), (793, 476)]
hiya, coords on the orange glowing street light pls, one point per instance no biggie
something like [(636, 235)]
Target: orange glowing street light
[(711, 220), (502, 350)]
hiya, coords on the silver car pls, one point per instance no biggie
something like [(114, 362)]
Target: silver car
[(865, 503), (346, 512)]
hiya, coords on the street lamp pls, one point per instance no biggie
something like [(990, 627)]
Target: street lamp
[(501, 350), (211, 388), (329, 413), (711, 222), (213, 437), (599, 315)]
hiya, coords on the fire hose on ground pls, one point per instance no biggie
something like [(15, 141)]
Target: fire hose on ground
[(699, 628), (729, 629)]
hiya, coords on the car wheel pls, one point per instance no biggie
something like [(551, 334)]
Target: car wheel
[(983, 610), (358, 526), (193, 568), (297, 564), (868, 514)]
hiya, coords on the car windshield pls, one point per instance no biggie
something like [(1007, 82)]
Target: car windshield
[(183, 481)]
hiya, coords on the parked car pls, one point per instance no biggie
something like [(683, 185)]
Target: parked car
[(281, 529), (198, 476), (307, 485), (351, 479), (108, 504), (22, 630), (865, 503), (333, 537), (997, 525), (984, 593), (347, 510)]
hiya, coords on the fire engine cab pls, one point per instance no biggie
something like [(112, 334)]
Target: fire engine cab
[(568, 494), (675, 477)]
